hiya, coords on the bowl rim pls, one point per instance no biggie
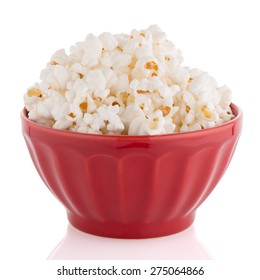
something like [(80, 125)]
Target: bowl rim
[(235, 109)]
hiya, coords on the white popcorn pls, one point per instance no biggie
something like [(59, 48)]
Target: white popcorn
[(56, 76), (60, 57), (92, 51), (126, 85), (137, 126), (129, 46), (147, 66), (120, 61), (179, 75), (157, 34), (155, 123), (132, 111), (122, 83), (145, 50), (109, 42)]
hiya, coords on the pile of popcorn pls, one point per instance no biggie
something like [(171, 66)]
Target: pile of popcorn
[(126, 85)]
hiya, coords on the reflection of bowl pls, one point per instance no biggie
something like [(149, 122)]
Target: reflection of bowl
[(131, 186), (77, 245)]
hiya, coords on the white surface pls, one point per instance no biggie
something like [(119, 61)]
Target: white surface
[(221, 37)]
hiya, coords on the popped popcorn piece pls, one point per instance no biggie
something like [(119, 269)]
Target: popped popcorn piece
[(34, 92), (56, 77), (92, 48), (109, 42), (126, 85), (59, 57)]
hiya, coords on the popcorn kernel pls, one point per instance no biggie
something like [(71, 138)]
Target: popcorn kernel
[(83, 106), (165, 110), (139, 91), (131, 99), (34, 92), (80, 75), (72, 115), (141, 106), (151, 65), (124, 96), (133, 62), (187, 108), (115, 103), (205, 112), (153, 125), (53, 62)]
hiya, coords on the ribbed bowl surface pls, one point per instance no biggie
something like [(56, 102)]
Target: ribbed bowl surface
[(131, 186)]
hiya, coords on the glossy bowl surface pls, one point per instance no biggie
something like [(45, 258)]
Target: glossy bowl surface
[(131, 186)]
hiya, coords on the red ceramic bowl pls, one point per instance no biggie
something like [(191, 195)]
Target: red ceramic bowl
[(131, 186)]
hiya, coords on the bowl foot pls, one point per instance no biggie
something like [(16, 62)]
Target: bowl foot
[(131, 230)]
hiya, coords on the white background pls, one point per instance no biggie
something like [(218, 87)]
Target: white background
[(220, 37)]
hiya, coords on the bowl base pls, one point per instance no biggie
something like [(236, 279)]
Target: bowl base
[(131, 230)]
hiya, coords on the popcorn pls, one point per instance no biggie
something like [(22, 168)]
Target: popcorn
[(56, 77), (92, 51), (109, 42), (126, 85), (59, 57)]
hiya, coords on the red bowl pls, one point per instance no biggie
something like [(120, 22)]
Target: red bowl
[(131, 186)]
